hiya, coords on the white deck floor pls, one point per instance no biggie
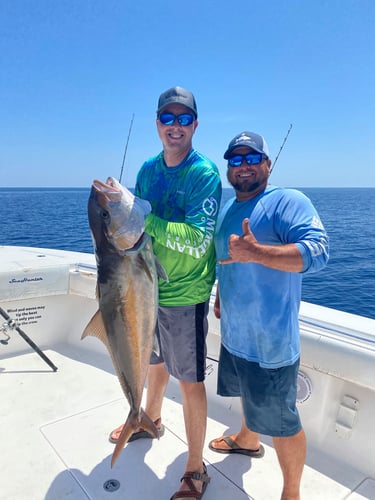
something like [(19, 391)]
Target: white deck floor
[(54, 440)]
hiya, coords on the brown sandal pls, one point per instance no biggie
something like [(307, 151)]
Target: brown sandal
[(192, 492)]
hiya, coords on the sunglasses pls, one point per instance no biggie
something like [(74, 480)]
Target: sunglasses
[(251, 159), (185, 119)]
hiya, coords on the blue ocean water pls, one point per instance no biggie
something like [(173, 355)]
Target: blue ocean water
[(57, 218)]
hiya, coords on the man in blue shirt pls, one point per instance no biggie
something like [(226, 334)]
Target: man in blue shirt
[(266, 238)]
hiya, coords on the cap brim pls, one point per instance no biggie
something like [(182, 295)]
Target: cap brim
[(229, 151), (182, 104)]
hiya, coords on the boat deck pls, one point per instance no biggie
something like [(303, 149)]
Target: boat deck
[(54, 440), (54, 426)]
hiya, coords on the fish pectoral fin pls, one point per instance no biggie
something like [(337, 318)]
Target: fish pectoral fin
[(145, 267), (161, 271), (96, 328)]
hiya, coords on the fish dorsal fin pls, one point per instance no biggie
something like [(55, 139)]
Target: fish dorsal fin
[(96, 328)]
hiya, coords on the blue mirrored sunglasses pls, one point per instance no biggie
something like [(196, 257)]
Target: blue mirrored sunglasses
[(250, 159), (185, 119)]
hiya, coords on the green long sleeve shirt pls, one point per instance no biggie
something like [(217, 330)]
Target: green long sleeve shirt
[(185, 202)]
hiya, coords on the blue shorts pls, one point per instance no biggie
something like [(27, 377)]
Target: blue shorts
[(268, 395), (182, 332)]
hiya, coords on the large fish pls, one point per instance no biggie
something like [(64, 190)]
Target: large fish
[(127, 289)]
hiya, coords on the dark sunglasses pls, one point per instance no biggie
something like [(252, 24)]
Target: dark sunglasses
[(185, 119), (250, 159)]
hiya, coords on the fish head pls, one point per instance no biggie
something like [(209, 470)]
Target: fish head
[(116, 214)]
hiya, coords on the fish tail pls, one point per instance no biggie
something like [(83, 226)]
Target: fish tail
[(134, 421), (148, 425), (131, 425)]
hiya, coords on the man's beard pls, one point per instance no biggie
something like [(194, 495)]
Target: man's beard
[(245, 188)]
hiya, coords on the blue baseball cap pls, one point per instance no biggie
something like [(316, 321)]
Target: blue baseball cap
[(249, 139)]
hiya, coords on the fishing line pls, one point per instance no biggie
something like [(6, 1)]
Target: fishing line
[(282, 145), (126, 147)]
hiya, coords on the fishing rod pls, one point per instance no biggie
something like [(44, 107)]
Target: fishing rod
[(12, 325), (126, 147), (282, 145)]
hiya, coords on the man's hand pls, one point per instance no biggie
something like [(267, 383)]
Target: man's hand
[(246, 248), (242, 248)]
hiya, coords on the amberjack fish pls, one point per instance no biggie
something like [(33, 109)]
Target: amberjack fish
[(127, 291)]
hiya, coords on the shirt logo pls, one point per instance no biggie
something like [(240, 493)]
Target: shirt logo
[(210, 206)]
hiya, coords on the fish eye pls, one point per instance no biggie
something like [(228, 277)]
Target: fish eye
[(104, 214)]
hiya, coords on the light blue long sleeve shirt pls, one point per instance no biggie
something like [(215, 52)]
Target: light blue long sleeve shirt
[(259, 305)]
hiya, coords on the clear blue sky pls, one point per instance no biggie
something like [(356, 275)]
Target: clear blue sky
[(73, 72)]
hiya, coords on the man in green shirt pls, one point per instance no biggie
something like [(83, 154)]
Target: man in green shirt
[(184, 190)]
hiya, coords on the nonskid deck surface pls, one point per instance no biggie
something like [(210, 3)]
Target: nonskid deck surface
[(54, 440)]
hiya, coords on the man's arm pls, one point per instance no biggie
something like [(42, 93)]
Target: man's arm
[(246, 248)]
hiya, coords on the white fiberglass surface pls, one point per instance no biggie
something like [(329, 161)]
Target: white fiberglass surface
[(55, 428)]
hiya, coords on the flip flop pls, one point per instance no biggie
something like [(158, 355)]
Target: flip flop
[(141, 434), (234, 448)]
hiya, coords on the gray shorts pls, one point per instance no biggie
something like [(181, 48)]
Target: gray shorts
[(182, 332), (268, 395)]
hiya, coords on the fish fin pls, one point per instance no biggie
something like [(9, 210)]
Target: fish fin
[(161, 271), (148, 425), (145, 267), (134, 421), (96, 328), (126, 432)]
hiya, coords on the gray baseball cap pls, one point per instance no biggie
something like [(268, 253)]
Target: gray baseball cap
[(178, 95), (249, 139)]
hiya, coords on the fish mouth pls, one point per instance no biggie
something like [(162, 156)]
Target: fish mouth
[(109, 184), (119, 211), (110, 189)]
